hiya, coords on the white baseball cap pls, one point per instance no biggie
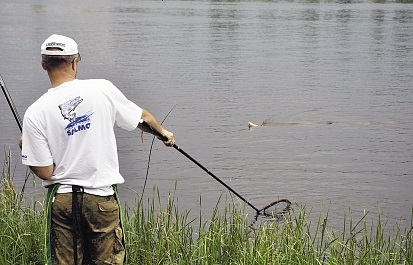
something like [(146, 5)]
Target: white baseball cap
[(59, 45)]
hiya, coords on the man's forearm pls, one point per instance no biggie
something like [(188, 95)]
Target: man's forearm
[(151, 125)]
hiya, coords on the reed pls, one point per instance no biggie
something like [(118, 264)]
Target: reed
[(159, 235), (158, 232), (21, 236)]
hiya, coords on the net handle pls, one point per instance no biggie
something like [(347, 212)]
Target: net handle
[(257, 211), (215, 177)]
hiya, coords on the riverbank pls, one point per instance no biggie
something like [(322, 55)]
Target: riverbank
[(160, 233)]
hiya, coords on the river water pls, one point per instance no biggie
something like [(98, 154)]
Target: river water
[(332, 81)]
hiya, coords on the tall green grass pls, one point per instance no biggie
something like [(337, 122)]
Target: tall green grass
[(158, 232), (21, 226)]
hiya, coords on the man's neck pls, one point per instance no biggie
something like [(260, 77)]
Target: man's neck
[(59, 77)]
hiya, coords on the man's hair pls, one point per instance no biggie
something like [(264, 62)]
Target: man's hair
[(51, 62)]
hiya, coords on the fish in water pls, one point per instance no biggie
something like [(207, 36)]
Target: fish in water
[(270, 123), (250, 125)]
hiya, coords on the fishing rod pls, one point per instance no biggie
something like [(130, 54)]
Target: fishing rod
[(11, 103), (18, 121)]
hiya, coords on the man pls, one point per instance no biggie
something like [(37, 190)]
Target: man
[(69, 142)]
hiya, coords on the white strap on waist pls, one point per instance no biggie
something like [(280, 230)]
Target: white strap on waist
[(105, 191)]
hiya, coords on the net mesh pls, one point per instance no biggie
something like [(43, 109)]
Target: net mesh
[(273, 212)]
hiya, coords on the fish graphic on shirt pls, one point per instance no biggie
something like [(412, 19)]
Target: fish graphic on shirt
[(67, 109)]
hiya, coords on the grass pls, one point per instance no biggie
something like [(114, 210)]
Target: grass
[(158, 232)]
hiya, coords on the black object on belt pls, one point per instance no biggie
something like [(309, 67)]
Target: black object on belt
[(76, 216)]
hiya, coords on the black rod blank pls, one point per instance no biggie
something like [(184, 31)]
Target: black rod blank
[(11, 103)]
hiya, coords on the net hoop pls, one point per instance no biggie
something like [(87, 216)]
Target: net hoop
[(263, 212)]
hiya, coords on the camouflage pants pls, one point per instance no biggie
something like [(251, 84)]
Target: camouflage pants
[(99, 234)]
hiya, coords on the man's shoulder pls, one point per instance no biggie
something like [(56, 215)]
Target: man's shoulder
[(95, 86), (41, 101), (96, 82)]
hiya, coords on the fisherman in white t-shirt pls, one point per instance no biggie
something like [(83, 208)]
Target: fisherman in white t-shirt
[(69, 142)]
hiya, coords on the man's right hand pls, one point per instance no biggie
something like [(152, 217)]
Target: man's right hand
[(170, 140)]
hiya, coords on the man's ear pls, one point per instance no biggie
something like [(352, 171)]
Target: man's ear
[(74, 65)]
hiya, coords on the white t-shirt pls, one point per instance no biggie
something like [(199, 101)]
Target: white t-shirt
[(72, 126)]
